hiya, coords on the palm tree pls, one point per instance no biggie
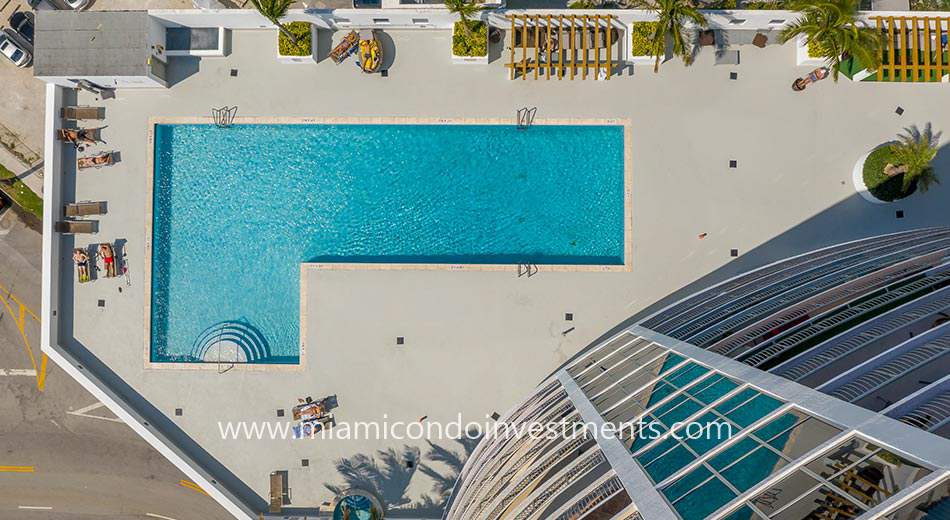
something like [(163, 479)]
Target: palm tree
[(465, 9), (673, 16), (274, 10), (912, 153), (833, 27)]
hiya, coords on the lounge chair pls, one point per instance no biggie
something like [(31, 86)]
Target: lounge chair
[(71, 227), (107, 253), (80, 135), (81, 259), (78, 113), (345, 48), (96, 161), (81, 209)]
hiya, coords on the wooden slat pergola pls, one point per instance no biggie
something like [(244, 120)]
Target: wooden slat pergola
[(564, 46), (915, 49)]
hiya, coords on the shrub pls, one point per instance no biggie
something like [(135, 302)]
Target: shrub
[(301, 31), (474, 45), (640, 42), (818, 50), (880, 185)]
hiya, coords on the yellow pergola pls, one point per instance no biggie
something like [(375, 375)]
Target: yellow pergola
[(914, 50), (563, 46)]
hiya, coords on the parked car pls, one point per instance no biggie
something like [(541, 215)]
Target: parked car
[(76, 5), (22, 23), (14, 52)]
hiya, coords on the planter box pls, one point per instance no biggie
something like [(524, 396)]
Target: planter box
[(469, 60), (802, 57), (301, 60), (649, 59)]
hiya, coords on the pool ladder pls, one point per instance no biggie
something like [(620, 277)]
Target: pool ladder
[(527, 269), (526, 117), (224, 116)]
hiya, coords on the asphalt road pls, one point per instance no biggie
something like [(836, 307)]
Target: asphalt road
[(63, 455)]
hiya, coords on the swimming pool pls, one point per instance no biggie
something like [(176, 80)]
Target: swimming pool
[(237, 210)]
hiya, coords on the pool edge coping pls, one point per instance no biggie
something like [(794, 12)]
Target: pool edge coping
[(305, 267)]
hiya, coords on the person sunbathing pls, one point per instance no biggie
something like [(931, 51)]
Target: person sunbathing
[(105, 251), (82, 264)]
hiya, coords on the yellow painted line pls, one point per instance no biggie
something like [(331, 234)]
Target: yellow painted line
[(192, 486), (17, 469), (20, 320)]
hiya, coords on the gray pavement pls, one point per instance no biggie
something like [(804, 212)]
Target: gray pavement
[(479, 341), (87, 463)]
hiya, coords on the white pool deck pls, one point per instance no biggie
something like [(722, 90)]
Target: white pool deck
[(478, 341)]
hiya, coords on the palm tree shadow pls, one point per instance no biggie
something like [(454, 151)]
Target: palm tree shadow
[(390, 473)]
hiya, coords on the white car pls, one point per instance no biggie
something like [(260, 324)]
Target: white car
[(18, 55), (76, 5)]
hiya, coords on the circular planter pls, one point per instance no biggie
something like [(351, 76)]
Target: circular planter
[(857, 178), (359, 502)]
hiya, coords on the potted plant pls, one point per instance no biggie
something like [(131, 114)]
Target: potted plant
[(897, 169), (469, 37)]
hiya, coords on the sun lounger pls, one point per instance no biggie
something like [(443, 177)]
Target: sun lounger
[(96, 161), (81, 259), (345, 48), (81, 209), (78, 113), (70, 227), (77, 135), (107, 253)]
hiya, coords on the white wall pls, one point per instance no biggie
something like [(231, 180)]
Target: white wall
[(110, 81)]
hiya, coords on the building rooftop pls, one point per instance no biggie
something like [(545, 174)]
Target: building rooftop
[(90, 44)]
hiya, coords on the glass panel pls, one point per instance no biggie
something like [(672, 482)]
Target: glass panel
[(745, 513), (704, 500), (733, 453), (717, 390), (654, 453), (706, 433), (754, 468), (670, 463), (647, 432), (736, 400), (933, 503), (877, 478), (784, 492), (781, 424), (803, 438), (838, 458), (608, 349), (687, 374), (821, 503), (637, 404), (680, 413), (754, 410), (688, 483)]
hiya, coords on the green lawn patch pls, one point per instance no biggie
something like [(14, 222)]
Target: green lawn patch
[(20, 193), (301, 31), (880, 185), (474, 45)]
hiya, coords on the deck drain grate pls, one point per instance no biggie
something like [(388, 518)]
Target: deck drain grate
[(400, 340), (305, 462), (384, 73), (733, 164), (280, 412), (733, 252), (233, 73), (495, 416), (899, 111), (569, 316), (900, 214), (733, 75), (178, 411), (102, 303)]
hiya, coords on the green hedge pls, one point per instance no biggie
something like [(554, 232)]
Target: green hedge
[(474, 45), (880, 185), (301, 31), (818, 50), (640, 43)]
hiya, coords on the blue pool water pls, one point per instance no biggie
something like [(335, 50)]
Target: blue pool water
[(237, 210)]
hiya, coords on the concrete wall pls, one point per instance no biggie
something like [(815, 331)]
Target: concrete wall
[(105, 81)]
